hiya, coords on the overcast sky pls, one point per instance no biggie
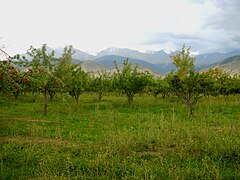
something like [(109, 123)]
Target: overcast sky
[(94, 25)]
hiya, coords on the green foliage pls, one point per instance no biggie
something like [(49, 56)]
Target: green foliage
[(184, 62), (64, 64), (102, 84), (158, 86), (49, 75), (235, 85), (187, 84), (78, 82), (10, 76), (42, 73), (62, 71), (42, 69), (10, 79), (130, 81), (222, 82)]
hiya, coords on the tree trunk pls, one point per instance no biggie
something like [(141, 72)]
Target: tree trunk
[(77, 99), (34, 96), (163, 95), (191, 107), (100, 95), (16, 94), (45, 101), (130, 99), (51, 94), (51, 97)]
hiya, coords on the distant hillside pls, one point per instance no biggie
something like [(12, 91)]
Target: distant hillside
[(80, 55), (108, 61), (93, 67), (164, 67), (77, 61), (234, 59), (211, 58), (231, 65)]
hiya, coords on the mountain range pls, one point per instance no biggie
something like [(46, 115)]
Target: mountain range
[(156, 61), (153, 57)]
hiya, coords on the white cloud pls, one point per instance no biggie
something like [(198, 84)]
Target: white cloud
[(93, 25)]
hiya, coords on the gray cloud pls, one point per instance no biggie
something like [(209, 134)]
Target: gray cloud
[(163, 37), (226, 3), (227, 20), (219, 31), (227, 17), (196, 41)]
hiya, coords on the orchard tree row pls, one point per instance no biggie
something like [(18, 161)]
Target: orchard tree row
[(45, 74)]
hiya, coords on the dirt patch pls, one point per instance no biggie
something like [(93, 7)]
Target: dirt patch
[(28, 119), (39, 141)]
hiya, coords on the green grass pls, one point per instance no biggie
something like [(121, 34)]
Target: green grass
[(154, 139)]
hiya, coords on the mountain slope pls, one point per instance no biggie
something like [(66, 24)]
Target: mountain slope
[(211, 58), (93, 67), (234, 59), (108, 61), (80, 55), (231, 65)]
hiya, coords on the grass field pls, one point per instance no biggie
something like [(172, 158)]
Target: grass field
[(154, 139)]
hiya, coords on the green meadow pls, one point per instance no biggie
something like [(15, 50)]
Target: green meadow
[(152, 139)]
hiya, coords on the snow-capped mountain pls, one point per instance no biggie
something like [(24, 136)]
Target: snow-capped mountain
[(154, 57), (80, 55)]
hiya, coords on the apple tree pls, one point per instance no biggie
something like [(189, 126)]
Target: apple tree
[(78, 82), (130, 81), (158, 86), (10, 76), (42, 72)]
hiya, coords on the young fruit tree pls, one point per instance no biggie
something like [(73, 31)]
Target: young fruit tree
[(186, 83), (101, 84), (158, 86), (130, 81), (62, 70), (78, 82), (42, 72)]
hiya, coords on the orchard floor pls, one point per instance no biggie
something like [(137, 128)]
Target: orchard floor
[(153, 139)]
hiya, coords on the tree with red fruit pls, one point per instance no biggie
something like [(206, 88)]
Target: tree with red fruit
[(42, 72)]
